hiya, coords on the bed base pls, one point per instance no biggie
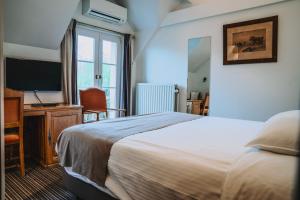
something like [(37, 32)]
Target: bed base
[(84, 191)]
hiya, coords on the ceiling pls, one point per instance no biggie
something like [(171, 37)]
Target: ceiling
[(147, 14), (42, 23), (38, 23)]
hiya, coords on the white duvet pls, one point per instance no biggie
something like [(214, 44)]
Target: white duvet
[(185, 161), (200, 159)]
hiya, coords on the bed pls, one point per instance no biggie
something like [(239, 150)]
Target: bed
[(197, 158)]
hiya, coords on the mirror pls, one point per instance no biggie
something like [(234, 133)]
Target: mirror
[(199, 53)]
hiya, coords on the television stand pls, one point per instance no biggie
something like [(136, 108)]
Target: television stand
[(44, 105)]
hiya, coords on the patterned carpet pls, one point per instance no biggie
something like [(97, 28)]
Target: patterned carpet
[(38, 184)]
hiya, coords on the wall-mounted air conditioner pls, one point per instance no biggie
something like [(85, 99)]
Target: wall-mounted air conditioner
[(105, 11)]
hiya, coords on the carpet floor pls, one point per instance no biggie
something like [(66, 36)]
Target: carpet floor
[(38, 184)]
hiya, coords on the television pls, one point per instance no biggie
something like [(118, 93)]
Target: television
[(33, 75)]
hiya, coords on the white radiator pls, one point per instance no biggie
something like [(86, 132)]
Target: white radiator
[(152, 98)]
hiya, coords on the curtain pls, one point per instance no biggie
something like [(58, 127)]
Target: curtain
[(68, 59), (126, 71), (74, 65)]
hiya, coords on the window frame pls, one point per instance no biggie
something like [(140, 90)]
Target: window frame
[(100, 35)]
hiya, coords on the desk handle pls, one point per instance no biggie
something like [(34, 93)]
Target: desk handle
[(49, 137)]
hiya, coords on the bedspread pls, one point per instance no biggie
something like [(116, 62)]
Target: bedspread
[(86, 148)]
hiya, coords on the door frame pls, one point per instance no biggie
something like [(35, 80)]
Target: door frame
[(2, 171)]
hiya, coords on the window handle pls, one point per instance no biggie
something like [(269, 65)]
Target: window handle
[(98, 77)]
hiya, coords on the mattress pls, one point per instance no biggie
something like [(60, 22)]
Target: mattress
[(115, 190)]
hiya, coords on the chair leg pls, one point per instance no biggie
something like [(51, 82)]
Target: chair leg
[(22, 165)]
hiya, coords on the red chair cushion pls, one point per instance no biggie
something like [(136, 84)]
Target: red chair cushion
[(11, 138)]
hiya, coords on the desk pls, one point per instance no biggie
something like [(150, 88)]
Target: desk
[(42, 126)]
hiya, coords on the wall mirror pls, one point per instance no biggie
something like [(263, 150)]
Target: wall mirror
[(199, 53)]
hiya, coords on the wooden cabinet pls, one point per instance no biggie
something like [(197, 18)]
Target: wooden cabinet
[(45, 125), (56, 122)]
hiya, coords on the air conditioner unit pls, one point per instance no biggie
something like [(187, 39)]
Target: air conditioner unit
[(105, 11)]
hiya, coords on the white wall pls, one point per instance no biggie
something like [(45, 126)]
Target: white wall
[(207, 8), (146, 17), (29, 52), (254, 91), (35, 53)]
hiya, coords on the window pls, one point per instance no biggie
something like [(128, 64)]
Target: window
[(86, 62), (109, 71), (99, 62)]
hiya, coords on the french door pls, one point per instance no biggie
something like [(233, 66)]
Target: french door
[(99, 55)]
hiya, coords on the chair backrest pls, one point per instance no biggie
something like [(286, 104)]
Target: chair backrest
[(93, 99), (13, 108), (206, 101)]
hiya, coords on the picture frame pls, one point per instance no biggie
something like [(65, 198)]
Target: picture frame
[(248, 42)]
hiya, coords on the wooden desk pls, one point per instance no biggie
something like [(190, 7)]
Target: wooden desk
[(42, 126)]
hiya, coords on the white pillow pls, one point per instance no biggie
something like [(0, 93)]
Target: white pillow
[(280, 134)]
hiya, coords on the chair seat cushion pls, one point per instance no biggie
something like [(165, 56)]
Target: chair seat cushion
[(11, 138)]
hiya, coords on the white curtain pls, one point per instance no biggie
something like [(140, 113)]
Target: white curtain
[(1, 102), (66, 59)]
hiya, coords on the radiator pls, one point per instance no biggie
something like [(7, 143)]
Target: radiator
[(152, 98)]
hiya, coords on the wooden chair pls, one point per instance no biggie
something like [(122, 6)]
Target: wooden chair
[(13, 122), (205, 108), (93, 100)]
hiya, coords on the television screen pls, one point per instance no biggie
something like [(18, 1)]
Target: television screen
[(30, 75)]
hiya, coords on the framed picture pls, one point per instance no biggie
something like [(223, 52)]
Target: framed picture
[(252, 41)]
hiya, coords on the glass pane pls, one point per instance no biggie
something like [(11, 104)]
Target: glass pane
[(86, 48), (109, 52), (110, 97), (85, 75), (109, 75), (90, 117)]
